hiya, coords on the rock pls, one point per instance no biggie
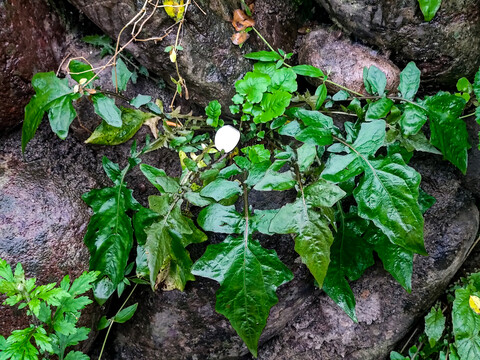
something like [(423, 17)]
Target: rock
[(209, 62), (385, 311), (30, 42), (444, 49), (42, 222), (343, 60)]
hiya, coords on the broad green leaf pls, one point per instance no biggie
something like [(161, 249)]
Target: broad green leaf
[(159, 179), (318, 130), (267, 68), (61, 114), (449, 133), (221, 219), (260, 221), (80, 70), (213, 111), (126, 314), (323, 193), (466, 326), (220, 189), (464, 85), (351, 256), (132, 121), (274, 180), (434, 325), (196, 199), (273, 105), (322, 93), (308, 70), (109, 236), (378, 109), (257, 153), (409, 81), (103, 323), (429, 8), (370, 138), (476, 85), (306, 156), (252, 86), (105, 108), (264, 56), (48, 88), (397, 356), (412, 120), (419, 142), (249, 276), (168, 261), (140, 100), (120, 75), (284, 79), (98, 40), (341, 95), (374, 80), (388, 195)]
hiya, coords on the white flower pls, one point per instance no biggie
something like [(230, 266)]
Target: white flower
[(226, 138)]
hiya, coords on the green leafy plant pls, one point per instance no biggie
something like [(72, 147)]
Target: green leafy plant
[(356, 193), (54, 312), (451, 329)]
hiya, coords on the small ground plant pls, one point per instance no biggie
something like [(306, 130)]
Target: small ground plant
[(356, 193)]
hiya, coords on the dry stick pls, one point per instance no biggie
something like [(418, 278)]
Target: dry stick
[(61, 64)]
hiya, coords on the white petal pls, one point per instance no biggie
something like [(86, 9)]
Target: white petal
[(226, 138)]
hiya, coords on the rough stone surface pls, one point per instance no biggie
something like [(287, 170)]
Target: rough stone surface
[(385, 311), (343, 60), (209, 62), (445, 48), (30, 41)]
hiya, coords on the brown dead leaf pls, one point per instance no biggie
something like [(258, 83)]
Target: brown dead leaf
[(152, 123), (241, 21), (239, 38)]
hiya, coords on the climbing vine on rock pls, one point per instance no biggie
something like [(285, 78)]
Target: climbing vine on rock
[(356, 193)]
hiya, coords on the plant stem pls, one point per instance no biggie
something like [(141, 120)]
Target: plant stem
[(112, 322), (342, 87), (467, 116), (266, 42)]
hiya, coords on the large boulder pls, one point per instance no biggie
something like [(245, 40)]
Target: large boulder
[(209, 62), (444, 49), (385, 311), (42, 222), (30, 41)]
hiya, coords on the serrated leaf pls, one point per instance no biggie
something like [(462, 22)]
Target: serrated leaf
[(273, 105), (125, 314), (168, 261), (434, 325), (213, 111), (284, 79), (252, 86), (249, 276), (105, 108), (409, 81), (308, 70), (374, 80), (120, 75), (132, 121), (76, 355), (412, 120), (83, 283), (429, 8), (264, 56), (449, 132), (388, 195), (466, 326), (48, 88)]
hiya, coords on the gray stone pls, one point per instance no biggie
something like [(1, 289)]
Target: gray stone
[(444, 49)]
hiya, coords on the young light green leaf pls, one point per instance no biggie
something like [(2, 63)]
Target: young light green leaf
[(76, 355), (252, 86), (126, 314), (48, 88), (105, 108), (140, 100), (132, 121), (374, 80), (429, 8), (240, 265), (434, 325), (449, 133), (409, 81), (308, 70), (264, 56), (273, 105), (213, 111), (284, 79), (120, 75)]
